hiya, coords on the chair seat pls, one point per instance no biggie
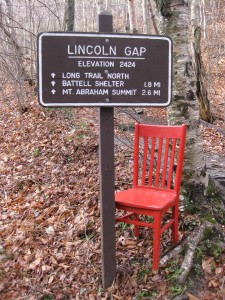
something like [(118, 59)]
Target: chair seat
[(146, 198)]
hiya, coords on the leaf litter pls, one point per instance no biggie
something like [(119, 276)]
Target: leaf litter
[(50, 220)]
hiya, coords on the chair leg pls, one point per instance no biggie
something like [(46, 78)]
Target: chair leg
[(156, 243), (175, 226), (136, 227)]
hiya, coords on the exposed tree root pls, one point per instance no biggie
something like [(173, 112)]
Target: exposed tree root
[(190, 244)]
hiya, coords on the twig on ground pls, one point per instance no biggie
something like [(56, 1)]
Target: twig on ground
[(191, 242)]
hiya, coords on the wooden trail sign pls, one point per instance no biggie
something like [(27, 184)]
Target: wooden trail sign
[(104, 69)]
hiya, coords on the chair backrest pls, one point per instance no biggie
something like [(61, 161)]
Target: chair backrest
[(158, 156)]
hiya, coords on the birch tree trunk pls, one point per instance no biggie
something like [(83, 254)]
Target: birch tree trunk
[(184, 107), (99, 6), (163, 7)]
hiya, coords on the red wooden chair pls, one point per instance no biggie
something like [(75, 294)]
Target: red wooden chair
[(158, 160)]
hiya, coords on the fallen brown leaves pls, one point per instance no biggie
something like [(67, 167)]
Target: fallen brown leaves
[(213, 141), (49, 221)]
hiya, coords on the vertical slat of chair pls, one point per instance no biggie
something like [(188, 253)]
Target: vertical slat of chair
[(163, 182), (136, 155), (144, 163), (170, 176), (151, 161), (157, 177)]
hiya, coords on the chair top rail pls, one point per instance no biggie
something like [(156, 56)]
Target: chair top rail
[(161, 131)]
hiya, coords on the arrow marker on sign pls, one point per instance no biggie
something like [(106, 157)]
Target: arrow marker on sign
[(53, 91), (53, 75), (53, 83)]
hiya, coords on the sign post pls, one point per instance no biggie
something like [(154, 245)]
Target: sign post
[(107, 190)]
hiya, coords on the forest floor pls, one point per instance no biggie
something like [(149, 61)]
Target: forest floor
[(49, 221)]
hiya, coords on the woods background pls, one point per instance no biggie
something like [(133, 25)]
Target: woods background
[(21, 21)]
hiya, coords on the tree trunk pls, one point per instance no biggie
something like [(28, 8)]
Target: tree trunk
[(152, 16), (32, 44), (184, 107), (132, 16), (84, 7), (69, 15), (99, 6), (146, 17), (204, 106)]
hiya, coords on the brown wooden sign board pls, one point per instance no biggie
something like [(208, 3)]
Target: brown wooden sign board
[(105, 70)]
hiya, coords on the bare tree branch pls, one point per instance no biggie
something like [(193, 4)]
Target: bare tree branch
[(51, 12)]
